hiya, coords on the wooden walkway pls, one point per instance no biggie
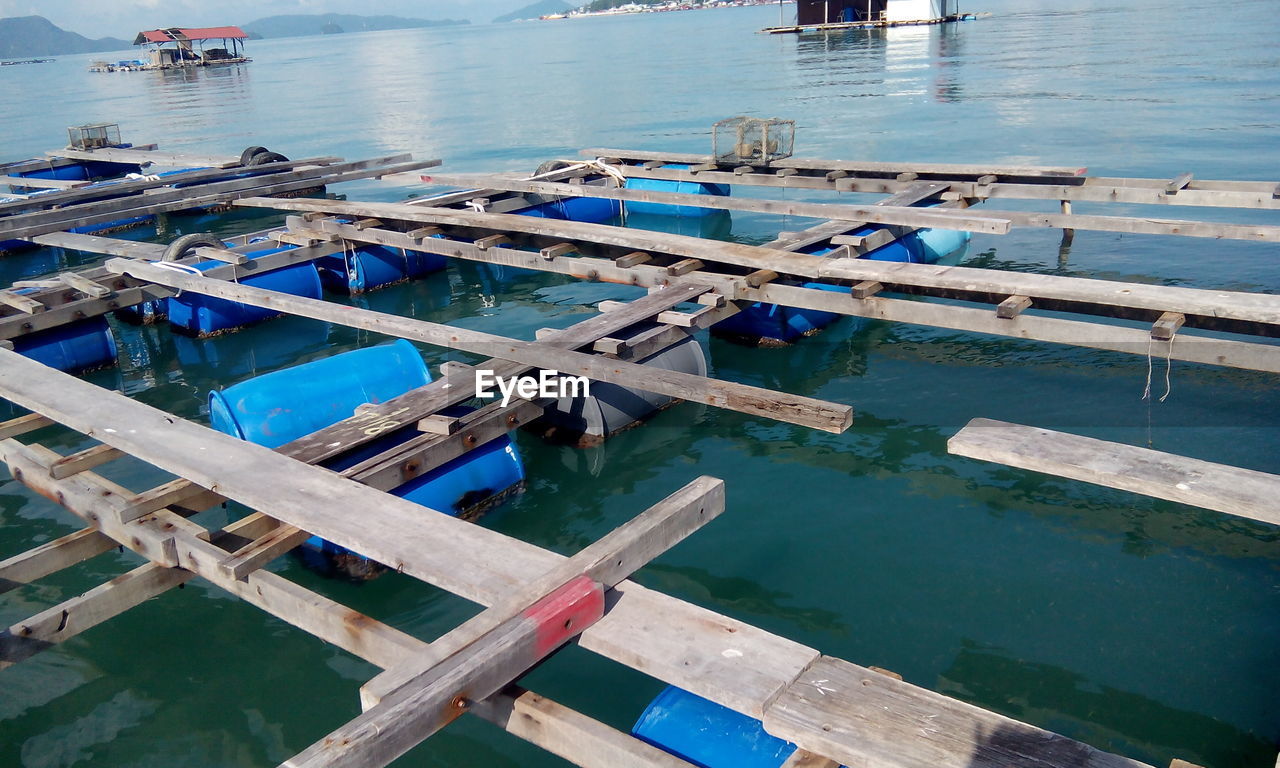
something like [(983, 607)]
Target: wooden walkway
[(836, 711)]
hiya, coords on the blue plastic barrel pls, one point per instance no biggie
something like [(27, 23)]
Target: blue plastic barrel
[(369, 267), (276, 408), (73, 348), (680, 187), (707, 734), (201, 315), (588, 209)]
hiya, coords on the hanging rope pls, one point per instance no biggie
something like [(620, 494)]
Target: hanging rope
[(1168, 370)]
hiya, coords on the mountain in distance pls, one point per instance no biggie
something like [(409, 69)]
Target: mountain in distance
[(536, 10), (301, 25), (22, 36)]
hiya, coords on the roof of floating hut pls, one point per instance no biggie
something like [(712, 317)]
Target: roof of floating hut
[(180, 34)]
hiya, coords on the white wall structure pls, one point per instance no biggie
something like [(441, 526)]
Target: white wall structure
[(910, 10)]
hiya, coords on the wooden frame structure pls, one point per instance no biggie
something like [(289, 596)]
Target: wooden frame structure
[(835, 711)]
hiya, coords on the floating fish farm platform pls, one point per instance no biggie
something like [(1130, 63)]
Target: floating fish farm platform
[(372, 431)]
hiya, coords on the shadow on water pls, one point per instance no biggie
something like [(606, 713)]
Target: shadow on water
[(1108, 718)]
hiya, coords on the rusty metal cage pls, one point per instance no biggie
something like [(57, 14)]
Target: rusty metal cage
[(96, 136), (753, 139)]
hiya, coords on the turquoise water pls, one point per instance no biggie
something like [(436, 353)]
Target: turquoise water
[(1142, 627)]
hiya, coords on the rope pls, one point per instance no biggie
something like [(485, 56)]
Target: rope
[(1168, 370), (184, 268)]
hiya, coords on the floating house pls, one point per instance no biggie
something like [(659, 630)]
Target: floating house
[(844, 14), (178, 47)]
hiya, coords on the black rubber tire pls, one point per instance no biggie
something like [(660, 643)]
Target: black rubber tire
[(183, 246), (267, 157), (551, 165), (246, 157)]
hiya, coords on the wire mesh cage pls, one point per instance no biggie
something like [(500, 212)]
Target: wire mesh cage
[(97, 136), (753, 139)]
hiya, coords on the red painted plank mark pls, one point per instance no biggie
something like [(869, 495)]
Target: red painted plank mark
[(564, 613)]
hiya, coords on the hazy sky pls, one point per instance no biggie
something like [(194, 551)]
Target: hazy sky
[(124, 18)]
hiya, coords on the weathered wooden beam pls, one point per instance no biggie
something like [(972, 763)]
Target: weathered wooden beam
[(85, 285), (82, 460), (177, 492), (923, 217), (21, 303), (168, 539), (855, 716), (224, 255), (23, 424), (1167, 325), (569, 734), (1179, 182), (488, 651), (71, 617), (781, 406), (1232, 490), (257, 553), (51, 557), (851, 166), (1012, 307), (606, 561)]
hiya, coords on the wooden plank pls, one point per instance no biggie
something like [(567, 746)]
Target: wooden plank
[(854, 166), (802, 759), (569, 734), (635, 630), (886, 214), (23, 181), (21, 303), (85, 285), (747, 399), (175, 492), (1212, 307), (1191, 348), (82, 460), (51, 557), (865, 289), (121, 188), (100, 501), (684, 267), (256, 554), (23, 424), (224, 255), (1179, 182), (1012, 307), (143, 157), (95, 244), (606, 561), (32, 224), (1235, 491), (470, 659), (858, 717), (1164, 328), (403, 719), (71, 617)]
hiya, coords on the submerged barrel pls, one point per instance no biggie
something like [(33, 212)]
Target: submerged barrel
[(674, 187), (610, 407), (74, 348), (369, 267), (201, 315), (707, 734), (773, 323), (277, 408), (589, 209)]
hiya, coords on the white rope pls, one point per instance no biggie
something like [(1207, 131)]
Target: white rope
[(476, 206), (1168, 370), (184, 268)]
